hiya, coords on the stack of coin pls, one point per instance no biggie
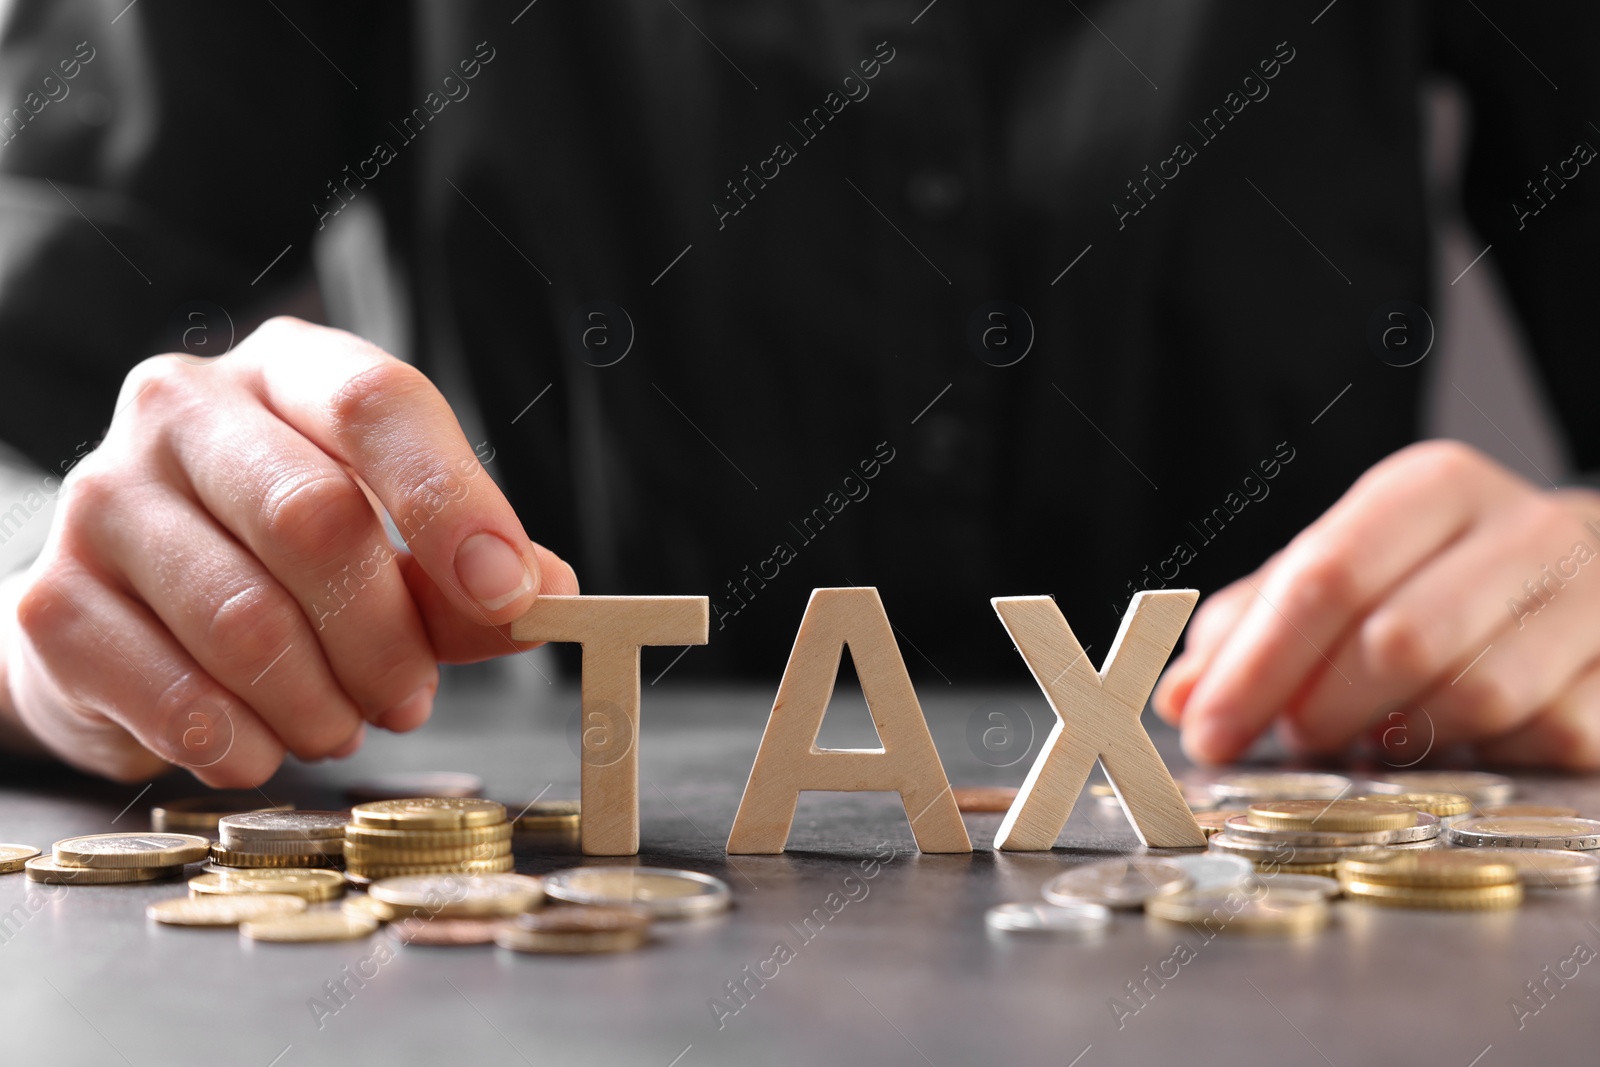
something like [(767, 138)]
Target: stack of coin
[(313, 885), (427, 835), (117, 859), (278, 839), (551, 825), (1312, 836), (1455, 880), (1446, 807), (200, 815)]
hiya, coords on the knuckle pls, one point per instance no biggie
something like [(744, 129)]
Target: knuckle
[(313, 522), (1441, 459), (43, 607), (248, 629), (1321, 582), (371, 396), (1399, 646), (1574, 739)]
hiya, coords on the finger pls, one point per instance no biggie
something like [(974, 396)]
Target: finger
[(1214, 620), (1564, 734), (239, 624), (1433, 624), (314, 530), (386, 421), (1329, 575), (142, 681), (459, 637)]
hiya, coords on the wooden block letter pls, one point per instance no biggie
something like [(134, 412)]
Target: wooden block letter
[(611, 630), (1098, 717), (789, 760)]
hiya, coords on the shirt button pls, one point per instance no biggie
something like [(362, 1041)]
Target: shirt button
[(935, 194)]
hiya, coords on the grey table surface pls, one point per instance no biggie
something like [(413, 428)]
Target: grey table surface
[(904, 974)]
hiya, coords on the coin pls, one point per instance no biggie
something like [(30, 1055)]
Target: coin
[(1253, 908), (984, 799), (1331, 816), (1543, 868), (664, 893), (1315, 883), (1527, 831), (406, 784), (377, 837), (1283, 785), (1450, 870), (447, 931), (1426, 829), (1214, 822), (429, 813), (1213, 870), (131, 850), (202, 813), (498, 865), (46, 869), (310, 926), (1441, 805), (364, 854), (1281, 852), (364, 907), (1057, 919), (1547, 811), (460, 896), (250, 829), (1477, 786), (229, 858), (1474, 898), (1116, 883), (312, 885), (574, 930), (223, 911), (13, 857), (550, 816)]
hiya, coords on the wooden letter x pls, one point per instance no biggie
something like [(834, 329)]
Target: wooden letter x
[(612, 629), (1098, 717), (789, 760)]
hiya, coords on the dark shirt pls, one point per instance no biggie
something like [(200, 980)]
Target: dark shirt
[(805, 210)]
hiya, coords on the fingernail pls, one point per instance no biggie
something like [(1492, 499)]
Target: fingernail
[(492, 572), (349, 747), (410, 713)]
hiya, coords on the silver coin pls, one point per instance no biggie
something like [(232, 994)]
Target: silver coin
[(1280, 785), (1480, 787), (1551, 868), (1214, 870), (1283, 852), (1312, 883), (1116, 883), (1527, 831), (130, 850), (1058, 919), (665, 893), (1427, 827), (247, 828)]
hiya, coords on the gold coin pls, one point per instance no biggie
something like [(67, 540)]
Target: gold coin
[(310, 926), (1533, 811), (1331, 815), (460, 896), (364, 907), (429, 813), (1479, 787), (1444, 805), (377, 837), (1101, 789), (1470, 898), (46, 869), (984, 799), (1452, 868), (1551, 868), (227, 857), (1247, 908), (501, 864), (575, 930), (1214, 822), (309, 884), (1321, 870), (131, 850), (13, 857), (203, 813), (223, 911), (366, 854)]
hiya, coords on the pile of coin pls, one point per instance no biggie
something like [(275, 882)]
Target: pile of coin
[(200, 815), (552, 825), (1313, 836), (427, 835), (267, 839), (1452, 880), (116, 859)]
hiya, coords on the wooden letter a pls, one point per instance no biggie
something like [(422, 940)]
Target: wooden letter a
[(1098, 716), (790, 761)]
